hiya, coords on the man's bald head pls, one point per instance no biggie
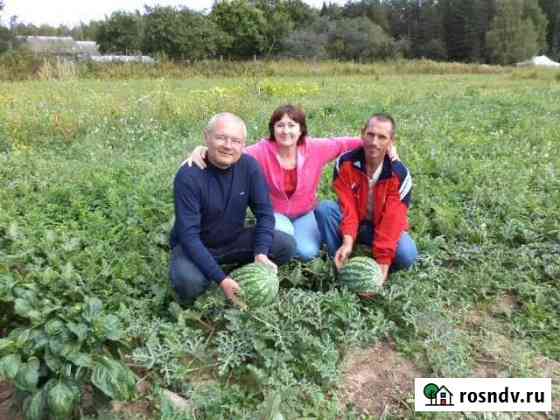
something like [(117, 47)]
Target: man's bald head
[(230, 118), (225, 137)]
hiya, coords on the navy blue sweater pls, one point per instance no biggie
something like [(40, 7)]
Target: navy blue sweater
[(210, 208)]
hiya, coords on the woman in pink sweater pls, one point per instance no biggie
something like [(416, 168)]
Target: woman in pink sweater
[(293, 164)]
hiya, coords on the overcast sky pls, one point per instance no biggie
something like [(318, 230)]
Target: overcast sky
[(69, 12)]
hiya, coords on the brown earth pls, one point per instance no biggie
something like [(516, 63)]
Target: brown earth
[(497, 350), (378, 381), (6, 394)]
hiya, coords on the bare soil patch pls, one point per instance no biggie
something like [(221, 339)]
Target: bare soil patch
[(6, 395), (378, 381)]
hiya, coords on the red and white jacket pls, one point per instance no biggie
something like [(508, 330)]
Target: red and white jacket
[(392, 194)]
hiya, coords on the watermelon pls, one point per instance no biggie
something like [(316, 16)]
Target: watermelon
[(259, 284), (361, 275)]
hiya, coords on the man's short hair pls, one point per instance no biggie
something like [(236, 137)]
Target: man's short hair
[(214, 120), (385, 117)]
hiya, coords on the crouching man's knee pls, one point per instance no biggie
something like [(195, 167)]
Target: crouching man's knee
[(406, 253)]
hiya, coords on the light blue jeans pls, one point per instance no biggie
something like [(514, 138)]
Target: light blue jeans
[(305, 231)]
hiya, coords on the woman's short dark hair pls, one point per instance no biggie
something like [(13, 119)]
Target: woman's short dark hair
[(294, 113)]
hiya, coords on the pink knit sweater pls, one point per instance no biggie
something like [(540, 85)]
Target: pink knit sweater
[(312, 157)]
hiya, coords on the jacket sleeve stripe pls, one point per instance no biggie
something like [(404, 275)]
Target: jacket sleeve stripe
[(336, 169), (406, 186)]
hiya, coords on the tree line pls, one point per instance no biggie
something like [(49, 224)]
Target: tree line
[(484, 31)]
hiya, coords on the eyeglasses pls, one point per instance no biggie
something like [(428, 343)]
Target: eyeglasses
[(221, 139)]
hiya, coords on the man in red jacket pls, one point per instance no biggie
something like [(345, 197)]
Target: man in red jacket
[(374, 196)]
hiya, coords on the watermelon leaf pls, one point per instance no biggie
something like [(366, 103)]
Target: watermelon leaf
[(9, 366), (113, 379), (28, 375)]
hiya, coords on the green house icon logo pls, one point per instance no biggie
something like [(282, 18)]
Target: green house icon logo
[(439, 396)]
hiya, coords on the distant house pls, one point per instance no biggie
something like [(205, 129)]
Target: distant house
[(57, 45), (539, 61), (444, 396), (66, 46)]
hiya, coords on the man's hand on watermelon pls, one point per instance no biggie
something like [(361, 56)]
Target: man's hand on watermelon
[(264, 260), (230, 288), (344, 252), (385, 271)]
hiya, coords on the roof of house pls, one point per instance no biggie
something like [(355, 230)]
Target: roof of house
[(58, 45)]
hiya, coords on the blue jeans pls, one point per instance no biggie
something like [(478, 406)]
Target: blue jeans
[(305, 231), (189, 282), (329, 217)]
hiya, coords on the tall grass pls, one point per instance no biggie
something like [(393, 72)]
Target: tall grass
[(24, 66)]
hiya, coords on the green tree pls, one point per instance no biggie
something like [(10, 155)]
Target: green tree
[(358, 39), (301, 14), (511, 38), (374, 10), (278, 24), (461, 30), (244, 26), (331, 10), (180, 33), (121, 33), (534, 13), (429, 34), (6, 39), (551, 9)]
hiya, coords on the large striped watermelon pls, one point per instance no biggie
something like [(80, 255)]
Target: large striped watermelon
[(361, 275), (259, 284)]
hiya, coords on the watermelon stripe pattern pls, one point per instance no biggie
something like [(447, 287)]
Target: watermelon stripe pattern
[(361, 275), (259, 284)]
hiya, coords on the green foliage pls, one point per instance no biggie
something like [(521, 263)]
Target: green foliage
[(61, 331), (6, 39), (358, 39), (453, 30), (512, 37), (178, 34), (244, 26), (533, 13), (121, 33)]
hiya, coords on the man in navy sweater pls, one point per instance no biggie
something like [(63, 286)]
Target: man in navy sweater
[(210, 207)]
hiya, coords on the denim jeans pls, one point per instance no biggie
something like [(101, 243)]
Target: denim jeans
[(189, 282), (329, 217), (305, 231)]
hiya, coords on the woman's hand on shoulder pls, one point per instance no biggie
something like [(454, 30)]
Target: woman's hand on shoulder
[(392, 152), (197, 157)]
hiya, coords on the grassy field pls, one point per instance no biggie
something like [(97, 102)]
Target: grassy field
[(86, 168)]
